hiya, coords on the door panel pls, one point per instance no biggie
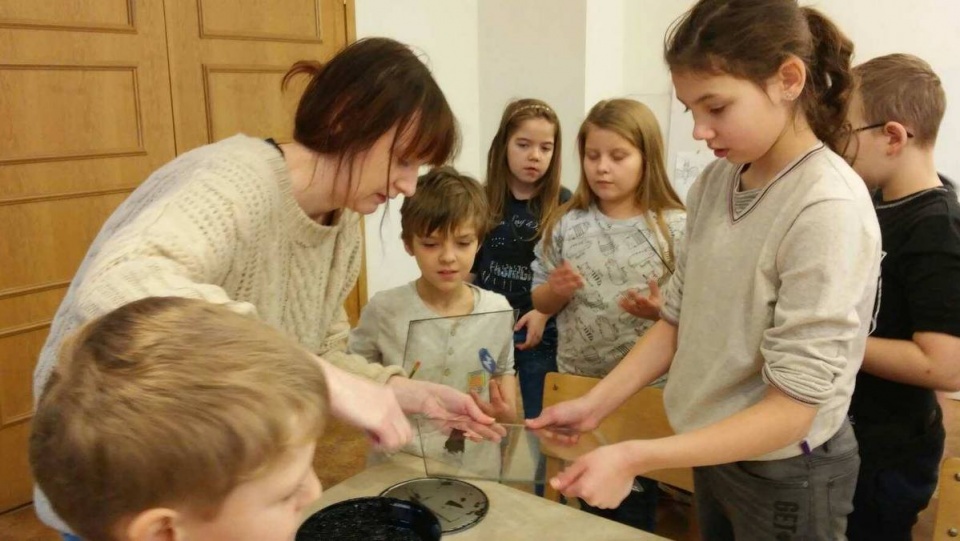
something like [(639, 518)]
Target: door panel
[(109, 15), (227, 60), (94, 96), (86, 112), (299, 21)]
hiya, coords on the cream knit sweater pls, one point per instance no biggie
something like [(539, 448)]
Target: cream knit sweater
[(220, 223)]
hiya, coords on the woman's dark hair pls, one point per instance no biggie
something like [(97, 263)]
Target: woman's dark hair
[(366, 89), (751, 39)]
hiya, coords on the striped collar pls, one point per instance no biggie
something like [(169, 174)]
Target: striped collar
[(735, 181)]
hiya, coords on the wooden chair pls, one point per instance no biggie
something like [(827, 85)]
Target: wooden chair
[(947, 525), (642, 416)]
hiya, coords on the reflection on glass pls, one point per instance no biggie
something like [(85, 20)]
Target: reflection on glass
[(464, 352), (446, 453)]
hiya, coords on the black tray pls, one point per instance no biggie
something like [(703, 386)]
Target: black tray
[(371, 519)]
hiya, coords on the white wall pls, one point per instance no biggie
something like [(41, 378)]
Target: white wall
[(572, 53), (928, 29), (445, 31), (533, 49), (604, 51)]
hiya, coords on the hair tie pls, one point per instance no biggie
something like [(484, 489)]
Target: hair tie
[(533, 107)]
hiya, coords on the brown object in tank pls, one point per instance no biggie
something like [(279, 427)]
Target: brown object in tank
[(455, 443)]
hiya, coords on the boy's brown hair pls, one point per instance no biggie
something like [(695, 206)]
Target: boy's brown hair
[(445, 200), (902, 88), (169, 402)]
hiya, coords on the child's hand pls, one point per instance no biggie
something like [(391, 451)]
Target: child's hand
[(636, 304), (565, 421), (498, 407), (601, 477), (534, 321), (565, 280)]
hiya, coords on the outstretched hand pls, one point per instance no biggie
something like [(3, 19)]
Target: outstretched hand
[(534, 321), (565, 280), (564, 422), (369, 406), (498, 407), (601, 477), (633, 302)]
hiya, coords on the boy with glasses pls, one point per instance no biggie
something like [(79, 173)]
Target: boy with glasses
[(894, 117)]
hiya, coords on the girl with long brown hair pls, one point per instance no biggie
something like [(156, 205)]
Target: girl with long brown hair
[(765, 319), (523, 188)]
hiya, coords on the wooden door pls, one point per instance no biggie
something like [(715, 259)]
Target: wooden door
[(227, 59), (85, 116), (94, 96)]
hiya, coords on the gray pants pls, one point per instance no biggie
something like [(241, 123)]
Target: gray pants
[(806, 497)]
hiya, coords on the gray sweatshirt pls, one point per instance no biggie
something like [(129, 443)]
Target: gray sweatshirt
[(781, 294)]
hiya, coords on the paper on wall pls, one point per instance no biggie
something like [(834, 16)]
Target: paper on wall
[(689, 165)]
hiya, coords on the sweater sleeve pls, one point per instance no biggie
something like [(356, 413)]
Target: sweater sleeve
[(673, 290), (828, 266), (541, 263), (545, 261), (334, 350), (168, 251), (364, 337)]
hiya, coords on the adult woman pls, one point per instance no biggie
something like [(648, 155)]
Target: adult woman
[(273, 231)]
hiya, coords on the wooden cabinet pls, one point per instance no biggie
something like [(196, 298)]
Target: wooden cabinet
[(95, 95)]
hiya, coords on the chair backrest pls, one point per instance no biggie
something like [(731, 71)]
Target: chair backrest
[(947, 525), (642, 416)]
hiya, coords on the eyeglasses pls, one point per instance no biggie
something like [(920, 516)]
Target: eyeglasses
[(873, 127), (851, 143)]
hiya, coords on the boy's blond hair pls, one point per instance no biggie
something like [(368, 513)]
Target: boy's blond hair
[(169, 402), (445, 200), (902, 88)]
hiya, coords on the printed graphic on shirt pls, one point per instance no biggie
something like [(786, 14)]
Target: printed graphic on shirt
[(509, 276), (612, 256), (463, 352), (876, 303)]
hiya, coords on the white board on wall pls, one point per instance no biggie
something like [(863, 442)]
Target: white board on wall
[(686, 157)]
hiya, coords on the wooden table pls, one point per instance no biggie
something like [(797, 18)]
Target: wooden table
[(513, 515)]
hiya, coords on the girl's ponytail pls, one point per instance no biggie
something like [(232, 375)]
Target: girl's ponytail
[(830, 79), (751, 39)]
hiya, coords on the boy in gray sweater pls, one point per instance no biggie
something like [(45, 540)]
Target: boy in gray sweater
[(452, 331)]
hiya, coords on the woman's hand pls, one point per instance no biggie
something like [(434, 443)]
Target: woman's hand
[(442, 403), (647, 307), (534, 321), (369, 406), (564, 281)]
